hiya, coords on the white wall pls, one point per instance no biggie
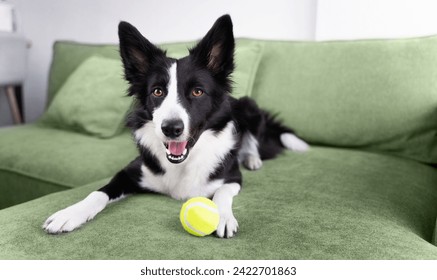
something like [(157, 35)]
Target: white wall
[(44, 21), (361, 19)]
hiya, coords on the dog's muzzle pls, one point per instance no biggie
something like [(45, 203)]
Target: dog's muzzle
[(176, 150)]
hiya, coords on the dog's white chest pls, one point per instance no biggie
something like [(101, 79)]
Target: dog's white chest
[(191, 178)]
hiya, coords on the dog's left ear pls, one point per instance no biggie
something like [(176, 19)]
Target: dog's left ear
[(216, 49)]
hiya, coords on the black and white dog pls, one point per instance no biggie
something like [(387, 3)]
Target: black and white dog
[(191, 134)]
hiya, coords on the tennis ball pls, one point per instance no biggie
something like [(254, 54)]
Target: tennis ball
[(199, 216)]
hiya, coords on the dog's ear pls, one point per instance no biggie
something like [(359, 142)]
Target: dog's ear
[(216, 49), (137, 53)]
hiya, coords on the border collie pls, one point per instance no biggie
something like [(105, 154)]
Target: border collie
[(191, 134)]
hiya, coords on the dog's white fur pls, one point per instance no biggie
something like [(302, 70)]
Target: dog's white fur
[(171, 108), (191, 177), (77, 214), (248, 154), (223, 197), (294, 143)]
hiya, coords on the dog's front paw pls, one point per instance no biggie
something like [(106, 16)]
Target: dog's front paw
[(66, 220), (72, 217), (252, 162), (228, 226)]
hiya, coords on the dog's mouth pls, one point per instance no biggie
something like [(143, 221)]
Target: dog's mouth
[(176, 151)]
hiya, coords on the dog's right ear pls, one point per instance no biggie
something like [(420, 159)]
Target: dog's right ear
[(137, 53)]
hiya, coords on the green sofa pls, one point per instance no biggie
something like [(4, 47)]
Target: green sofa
[(367, 188)]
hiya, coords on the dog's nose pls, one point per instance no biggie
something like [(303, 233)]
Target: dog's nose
[(172, 128)]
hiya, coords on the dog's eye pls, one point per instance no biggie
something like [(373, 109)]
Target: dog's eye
[(157, 92), (197, 92)]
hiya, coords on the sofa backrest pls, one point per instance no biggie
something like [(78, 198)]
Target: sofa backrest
[(378, 95), (67, 56)]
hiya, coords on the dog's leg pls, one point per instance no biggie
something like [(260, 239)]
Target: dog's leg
[(294, 143), (223, 197), (248, 154), (123, 183)]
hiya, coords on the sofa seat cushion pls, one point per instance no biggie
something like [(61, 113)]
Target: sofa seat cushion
[(36, 160), (325, 204)]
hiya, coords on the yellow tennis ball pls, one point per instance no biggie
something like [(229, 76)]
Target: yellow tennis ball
[(199, 216)]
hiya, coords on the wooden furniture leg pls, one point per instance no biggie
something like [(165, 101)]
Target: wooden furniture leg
[(10, 92)]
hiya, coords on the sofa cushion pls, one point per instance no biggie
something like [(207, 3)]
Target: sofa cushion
[(36, 160), (378, 95), (67, 56), (325, 204), (92, 100)]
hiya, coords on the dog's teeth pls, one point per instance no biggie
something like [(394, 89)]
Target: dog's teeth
[(176, 158)]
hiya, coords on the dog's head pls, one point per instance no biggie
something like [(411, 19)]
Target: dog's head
[(180, 98)]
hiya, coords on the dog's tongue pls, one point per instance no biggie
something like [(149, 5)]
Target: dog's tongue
[(177, 148)]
